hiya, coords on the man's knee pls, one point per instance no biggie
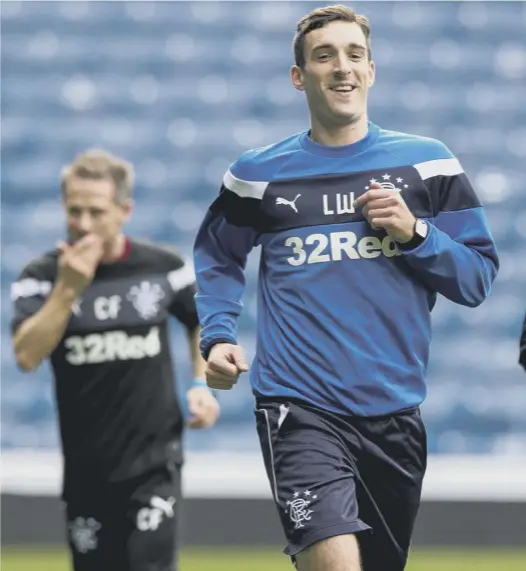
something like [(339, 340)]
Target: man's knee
[(338, 553)]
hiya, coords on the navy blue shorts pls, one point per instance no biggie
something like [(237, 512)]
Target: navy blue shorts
[(125, 526), (333, 475)]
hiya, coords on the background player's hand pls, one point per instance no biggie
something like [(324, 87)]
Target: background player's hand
[(225, 363), (387, 209), (78, 262), (203, 407)]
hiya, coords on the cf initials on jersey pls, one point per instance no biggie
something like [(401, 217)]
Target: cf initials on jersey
[(107, 307)]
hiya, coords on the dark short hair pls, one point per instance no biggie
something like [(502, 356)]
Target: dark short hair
[(319, 18)]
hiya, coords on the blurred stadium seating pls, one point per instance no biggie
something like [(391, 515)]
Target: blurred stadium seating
[(180, 89)]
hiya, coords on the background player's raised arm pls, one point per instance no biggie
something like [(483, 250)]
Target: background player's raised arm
[(40, 322)]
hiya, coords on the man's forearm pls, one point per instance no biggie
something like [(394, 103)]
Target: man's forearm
[(198, 363), (38, 335), (461, 268)]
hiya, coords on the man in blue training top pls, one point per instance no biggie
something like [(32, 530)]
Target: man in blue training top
[(360, 229)]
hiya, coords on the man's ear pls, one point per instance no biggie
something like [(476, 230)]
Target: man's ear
[(296, 77), (127, 209), (372, 74)]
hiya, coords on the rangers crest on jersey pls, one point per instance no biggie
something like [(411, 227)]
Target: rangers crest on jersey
[(145, 299), (387, 184)]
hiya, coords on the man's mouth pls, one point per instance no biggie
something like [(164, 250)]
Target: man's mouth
[(343, 88)]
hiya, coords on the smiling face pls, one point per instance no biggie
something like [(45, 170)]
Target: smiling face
[(336, 75)]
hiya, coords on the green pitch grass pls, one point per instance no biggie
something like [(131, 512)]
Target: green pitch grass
[(213, 559)]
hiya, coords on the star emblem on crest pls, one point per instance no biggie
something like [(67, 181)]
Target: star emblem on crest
[(387, 185), (306, 493)]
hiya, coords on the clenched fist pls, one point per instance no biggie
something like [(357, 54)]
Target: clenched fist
[(225, 363), (78, 262), (203, 407), (387, 209)]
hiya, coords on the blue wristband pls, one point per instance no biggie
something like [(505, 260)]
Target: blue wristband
[(198, 382)]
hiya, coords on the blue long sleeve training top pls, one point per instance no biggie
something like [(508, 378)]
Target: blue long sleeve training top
[(343, 314)]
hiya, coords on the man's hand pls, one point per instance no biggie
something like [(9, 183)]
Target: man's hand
[(225, 363), (387, 209), (203, 407), (78, 262)]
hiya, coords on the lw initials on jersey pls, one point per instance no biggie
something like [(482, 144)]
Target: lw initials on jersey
[(342, 204), (111, 346)]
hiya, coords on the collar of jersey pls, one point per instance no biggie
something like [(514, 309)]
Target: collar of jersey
[(340, 151)]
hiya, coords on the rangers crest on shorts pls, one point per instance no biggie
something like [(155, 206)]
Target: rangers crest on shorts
[(83, 532), (298, 508)]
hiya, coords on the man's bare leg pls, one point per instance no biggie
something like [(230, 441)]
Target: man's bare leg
[(339, 553)]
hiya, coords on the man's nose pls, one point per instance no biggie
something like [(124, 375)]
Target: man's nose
[(342, 66), (85, 223)]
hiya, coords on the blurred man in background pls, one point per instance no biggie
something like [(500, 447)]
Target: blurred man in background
[(98, 307), (360, 229)]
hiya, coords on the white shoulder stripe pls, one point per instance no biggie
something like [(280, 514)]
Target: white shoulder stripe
[(181, 278), (244, 188), (444, 167), (30, 287)]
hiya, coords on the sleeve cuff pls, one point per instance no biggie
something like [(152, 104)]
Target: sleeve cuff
[(207, 347), (408, 248)]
